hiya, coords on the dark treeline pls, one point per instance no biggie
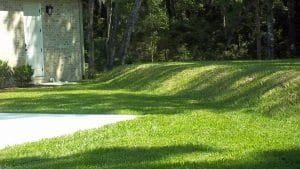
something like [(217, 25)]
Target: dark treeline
[(130, 31)]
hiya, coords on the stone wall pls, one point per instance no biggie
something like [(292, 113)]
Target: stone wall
[(62, 40), (62, 37)]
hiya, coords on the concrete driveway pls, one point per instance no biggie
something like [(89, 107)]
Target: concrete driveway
[(16, 128)]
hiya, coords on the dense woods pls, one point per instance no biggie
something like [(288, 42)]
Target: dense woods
[(127, 31)]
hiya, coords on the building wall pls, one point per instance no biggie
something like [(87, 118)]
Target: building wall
[(62, 41), (62, 37), (12, 41)]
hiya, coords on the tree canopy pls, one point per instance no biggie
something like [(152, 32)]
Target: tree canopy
[(130, 31)]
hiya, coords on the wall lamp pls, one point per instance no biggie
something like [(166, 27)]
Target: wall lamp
[(49, 9)]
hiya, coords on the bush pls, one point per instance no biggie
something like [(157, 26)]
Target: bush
[(183, 53), (22, 75), (5, 73)]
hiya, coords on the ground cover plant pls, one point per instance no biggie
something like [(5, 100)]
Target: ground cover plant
[(194, 115)]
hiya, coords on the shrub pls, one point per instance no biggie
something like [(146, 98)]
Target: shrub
[(5, 73), (22, 75), (183, 53)]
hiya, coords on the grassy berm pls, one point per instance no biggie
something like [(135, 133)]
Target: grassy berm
[(197, 115)]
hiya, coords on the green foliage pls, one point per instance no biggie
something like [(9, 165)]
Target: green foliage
[(22, 75), (90, 74), (199, 30), (183, 53), (5, 73)]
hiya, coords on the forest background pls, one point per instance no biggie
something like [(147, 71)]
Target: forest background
[(141, 31)]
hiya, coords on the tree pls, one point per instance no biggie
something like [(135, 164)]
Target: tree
[(270, 34), (129, 29), (109, 10), (258, 29), (91, 45), (112, 26), (100, 2), (171, 10), (190, 30), (291, 24)]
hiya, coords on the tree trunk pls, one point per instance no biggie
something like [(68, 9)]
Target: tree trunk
[(112, 26), (258, 29), (270, 35), (129, 29), (91, 7), (100, 7), (170, 6), (109, 11), (223, 13), (230, 30), (291, 23)]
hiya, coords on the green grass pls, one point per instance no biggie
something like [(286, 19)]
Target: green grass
[(234, 115)]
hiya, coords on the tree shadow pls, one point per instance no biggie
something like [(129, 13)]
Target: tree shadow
[(160, 158), (233, 85), (103, 104), (145, 89), (115, 157), (11, 22), (62, 41), (142, 77), (244, 88), (222, 75)]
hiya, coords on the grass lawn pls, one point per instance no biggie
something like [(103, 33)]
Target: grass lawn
[(195, 115)]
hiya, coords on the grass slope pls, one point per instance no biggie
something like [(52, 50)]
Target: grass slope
[(198, 115)]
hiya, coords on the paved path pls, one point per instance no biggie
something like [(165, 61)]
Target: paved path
[(18, 128)]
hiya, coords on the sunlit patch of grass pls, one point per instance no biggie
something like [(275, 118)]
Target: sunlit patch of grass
[(192, 140)]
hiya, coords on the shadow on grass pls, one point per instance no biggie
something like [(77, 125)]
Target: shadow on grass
[(106, 104), (117, 157), (171, 88), (171, 157), (215, 85), (152, 76)]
